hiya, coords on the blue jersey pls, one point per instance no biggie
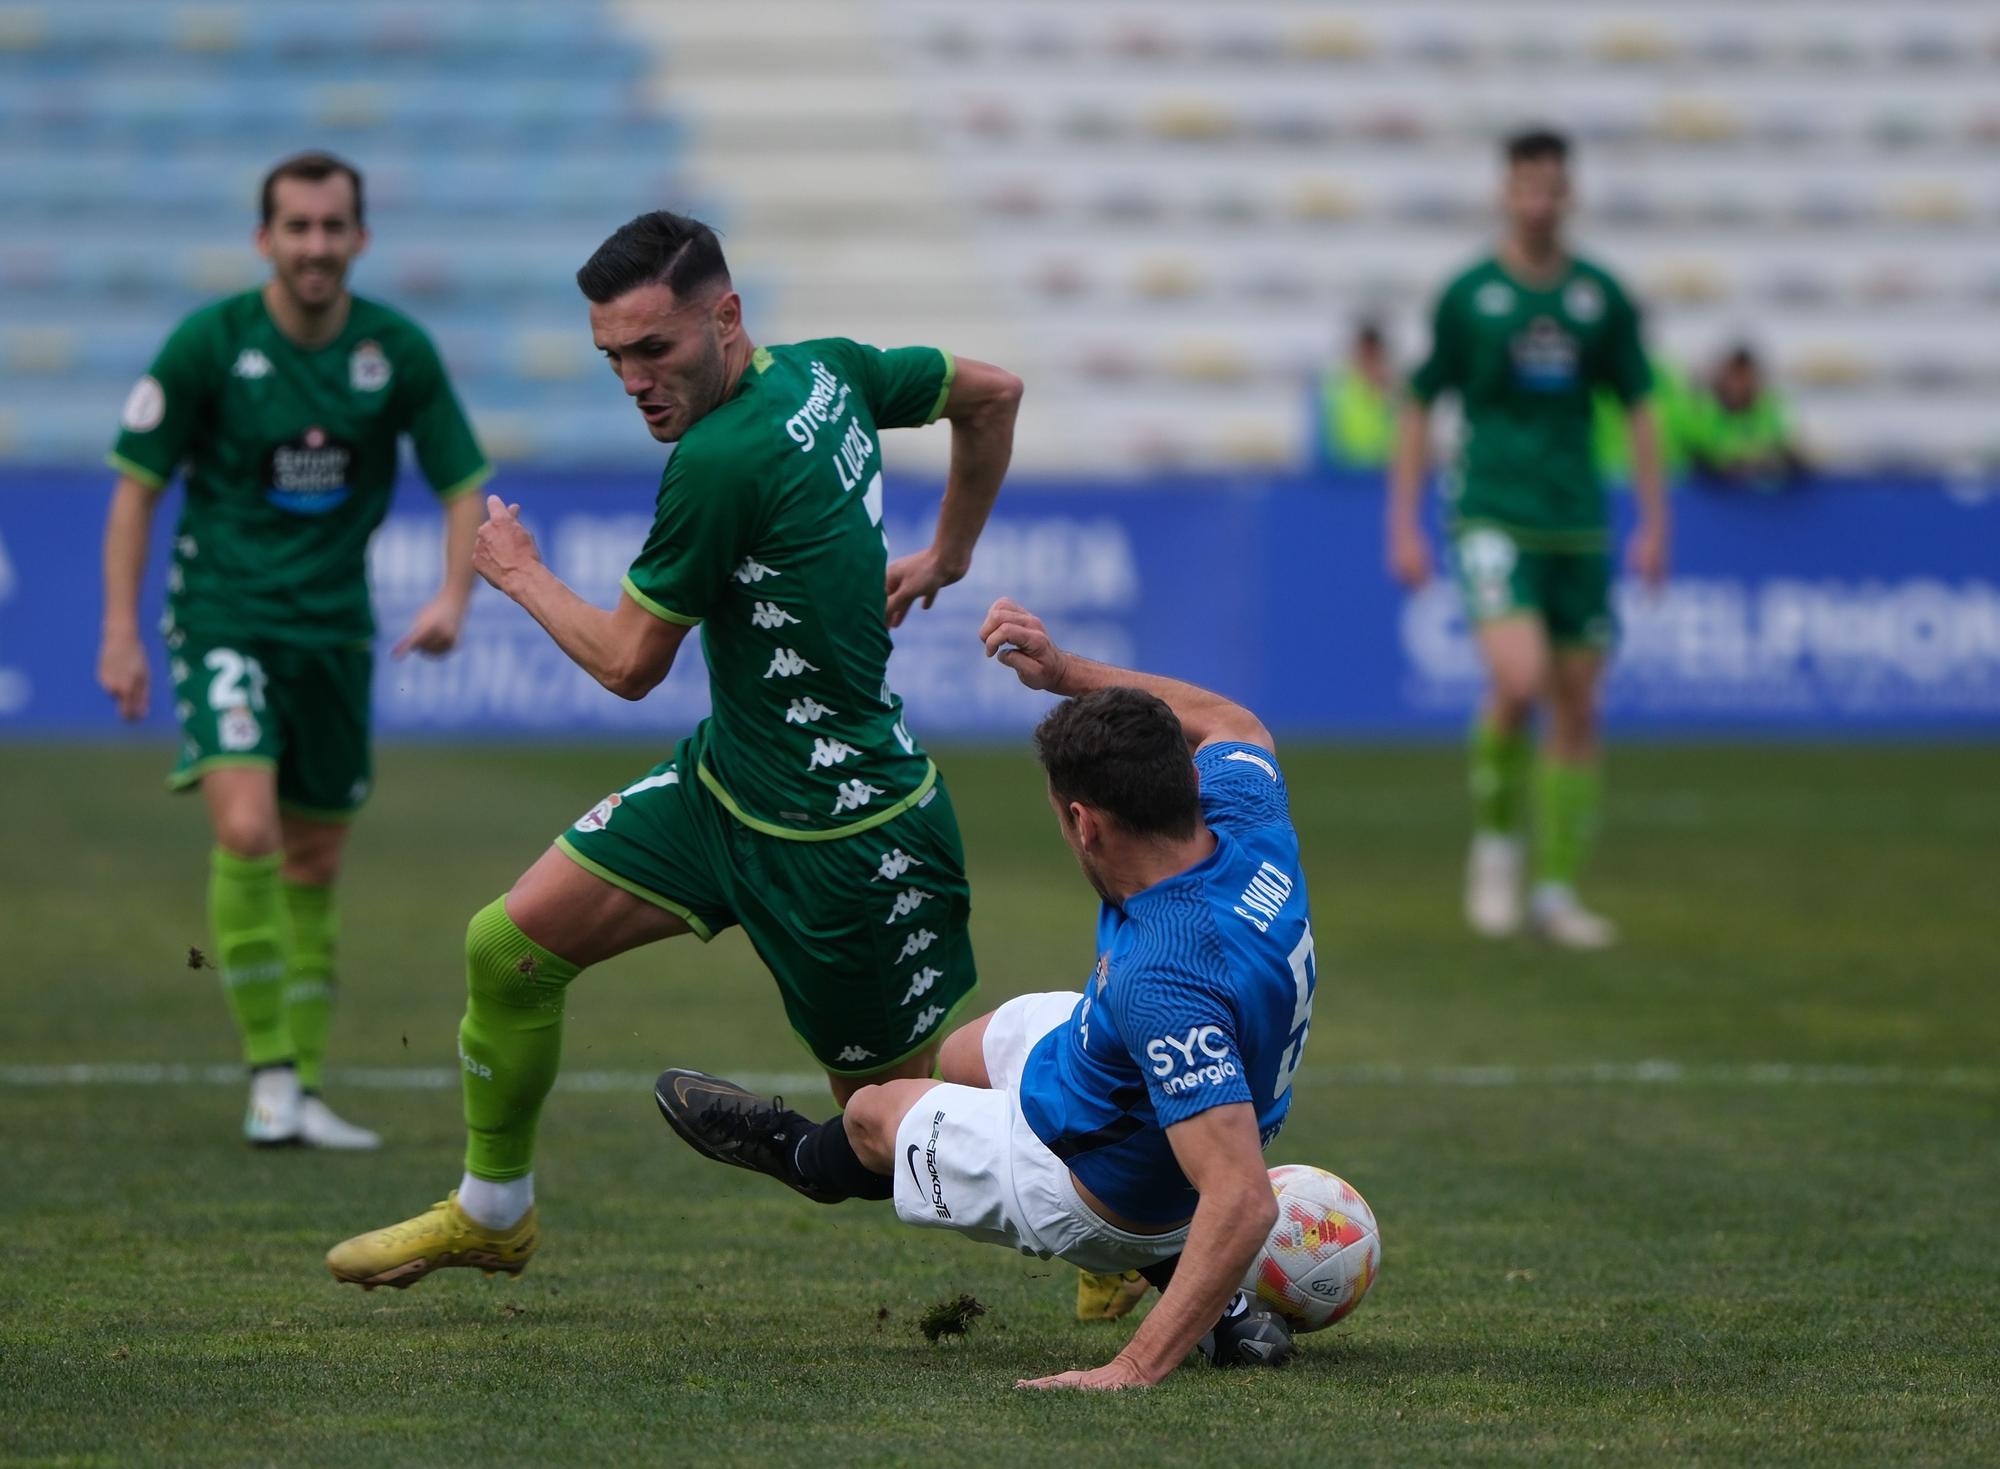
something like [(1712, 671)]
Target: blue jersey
[(1202, 996)]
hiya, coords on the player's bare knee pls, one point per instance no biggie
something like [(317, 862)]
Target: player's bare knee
[(244, 831), (871, 1127)]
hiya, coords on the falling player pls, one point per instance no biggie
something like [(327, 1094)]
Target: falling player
[(1524, 337), (284, 405), (802, 808), (1122, 1128)]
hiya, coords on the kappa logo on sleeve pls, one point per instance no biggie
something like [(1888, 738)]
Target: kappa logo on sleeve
[(1213, 1067)]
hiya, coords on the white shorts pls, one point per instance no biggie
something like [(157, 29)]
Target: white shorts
[(968, 1161)]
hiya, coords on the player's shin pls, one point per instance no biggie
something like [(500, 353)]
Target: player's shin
[(1568, 796), (309, 976), (1497, 769), (247, 918), (509, 1047)]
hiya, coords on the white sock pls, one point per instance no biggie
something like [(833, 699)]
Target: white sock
[(275, 1089), (496, 1205)]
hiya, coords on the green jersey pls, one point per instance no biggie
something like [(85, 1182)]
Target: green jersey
[(768, 532), (1524, 361), (290, 456)]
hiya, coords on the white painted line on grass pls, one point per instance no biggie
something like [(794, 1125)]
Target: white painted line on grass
[(1589, 1073)]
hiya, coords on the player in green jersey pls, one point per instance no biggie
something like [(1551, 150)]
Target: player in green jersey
[(802, 808), (284, 406), (1524, 338)]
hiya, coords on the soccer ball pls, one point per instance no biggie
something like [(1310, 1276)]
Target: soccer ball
[(1323, 1253)]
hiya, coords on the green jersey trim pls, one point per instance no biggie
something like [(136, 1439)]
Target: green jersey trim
[(135, 470), (853, 828), (875, 1068), (467, 485), (665, 614), (598, 869), (1585, 541), (181, 780), (944, 388), (761, 360)]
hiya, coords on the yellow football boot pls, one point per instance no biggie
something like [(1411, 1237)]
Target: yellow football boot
[(441, 1236), (1107, 1297)]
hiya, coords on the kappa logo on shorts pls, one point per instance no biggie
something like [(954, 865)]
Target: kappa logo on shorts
[(921, 982), (893, 864), (595, 818), (927, 1017), (855, 794), (916, 943), (829, 752), (855, 1053), (907, 902)]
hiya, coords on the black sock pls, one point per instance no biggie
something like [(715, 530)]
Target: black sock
[(827, 1161)]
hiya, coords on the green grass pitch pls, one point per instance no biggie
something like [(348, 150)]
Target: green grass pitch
[(1709, 1261)]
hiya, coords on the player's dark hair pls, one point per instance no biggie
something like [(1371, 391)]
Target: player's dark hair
[(660, 248), (1121, 751), (311, 168), (1531, 145)]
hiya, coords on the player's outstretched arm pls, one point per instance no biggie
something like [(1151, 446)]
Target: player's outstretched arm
[(434, 630), (1648, 553), (121, 658), (627, 649), (1223, 1158), (981, 407), (1018, 639), (1409, 549)]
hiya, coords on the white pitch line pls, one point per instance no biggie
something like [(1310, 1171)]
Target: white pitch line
[(1589, 1073)]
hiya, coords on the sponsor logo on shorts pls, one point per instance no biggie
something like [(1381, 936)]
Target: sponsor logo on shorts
[(894, 863), (936, 1189), (920, 983), (916, 943), (597, 816), (1205, 1040), (927, 1017), (854, 1053), (907, 902)]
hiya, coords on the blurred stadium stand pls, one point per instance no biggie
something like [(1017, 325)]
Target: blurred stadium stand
[(1166, 216)]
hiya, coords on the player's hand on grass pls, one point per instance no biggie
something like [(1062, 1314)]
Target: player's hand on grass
[(503, 548), (1409, 555), (919, 574), (1646, 555), (1017, 638), (1114, 1376), (122, 672), (434, 630)]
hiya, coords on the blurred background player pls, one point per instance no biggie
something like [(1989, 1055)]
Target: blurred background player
[(1739, 432), (1522, 338), (1358, 403), (802, 808), (284, 404), (1123, 1127)]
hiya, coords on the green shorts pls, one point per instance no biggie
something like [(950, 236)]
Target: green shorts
[(245, 701), (1569, 590), (866, 935)]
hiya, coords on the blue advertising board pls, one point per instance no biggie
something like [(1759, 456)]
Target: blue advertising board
[(1847, 608)]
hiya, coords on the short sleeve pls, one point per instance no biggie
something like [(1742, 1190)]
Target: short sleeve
[(1445, 367), (447, 452), (167, 406), (1180, 1028), (905, 387), (1242, 788), (702, 526), (1625, 368)]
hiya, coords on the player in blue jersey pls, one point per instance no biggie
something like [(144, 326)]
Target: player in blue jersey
[(1121, 1128)]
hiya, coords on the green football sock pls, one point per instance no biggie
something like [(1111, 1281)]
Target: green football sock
[(246, 915), (309, 976), (1567, 798), (510, 1042), (1498, 772)]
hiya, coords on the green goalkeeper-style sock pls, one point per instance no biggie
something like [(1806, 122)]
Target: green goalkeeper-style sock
[(1567, 798), (309, 976), (246, 914), (510, 1042), (1498, 772)]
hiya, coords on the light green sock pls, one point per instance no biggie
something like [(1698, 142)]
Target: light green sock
[(510, 1042), (246, 915), (1567, 799), (309, 976), (1498, 773)]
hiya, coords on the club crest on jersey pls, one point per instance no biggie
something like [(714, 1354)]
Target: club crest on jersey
[(145, 406), (368, 368), (1583, 300), (597, 816)]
